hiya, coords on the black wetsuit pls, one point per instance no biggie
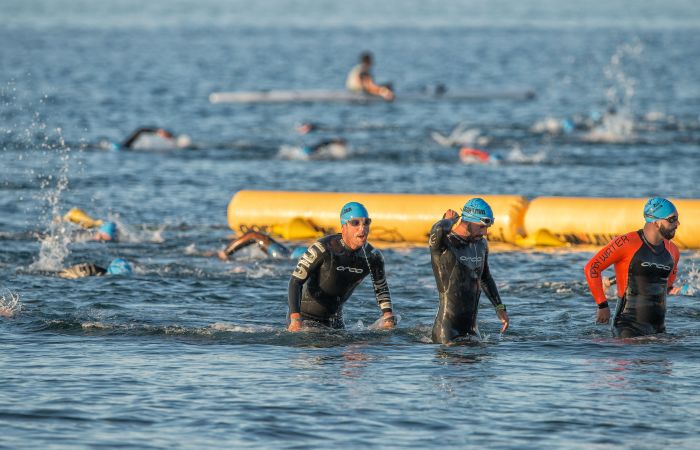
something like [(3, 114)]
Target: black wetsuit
[(328, 273), (461, 271), (644, 273)]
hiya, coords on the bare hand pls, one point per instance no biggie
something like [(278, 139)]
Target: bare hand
[(222, 255), (503, 317), (294, 322), (386, 94), (450, 214), (603, 315), (674, 290), (389, 321)]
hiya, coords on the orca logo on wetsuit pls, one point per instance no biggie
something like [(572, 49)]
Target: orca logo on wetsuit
[(349, 269), (474, 259), (656, 265)]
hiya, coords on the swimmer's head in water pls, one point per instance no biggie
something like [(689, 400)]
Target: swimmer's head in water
[(658, 208), (366, 58), (476, 210), (353, 210), (119, 266), (108, 231)]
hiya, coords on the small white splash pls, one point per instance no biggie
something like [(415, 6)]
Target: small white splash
[(229, 327), (10, 304), (95, 326), (54, 248), (459, 136), (548, 125), (516, 155)]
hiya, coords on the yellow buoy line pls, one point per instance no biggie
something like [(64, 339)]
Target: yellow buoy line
[(407, 218)]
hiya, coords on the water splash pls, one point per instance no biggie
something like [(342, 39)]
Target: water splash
[(54, 245), (10, 304), (617, 123)]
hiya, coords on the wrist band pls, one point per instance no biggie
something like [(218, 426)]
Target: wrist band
[(603, 305), (500, 307)]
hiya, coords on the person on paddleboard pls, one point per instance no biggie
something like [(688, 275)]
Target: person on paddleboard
[(360, 80), (459, 256), (646, 264), (330, 270)]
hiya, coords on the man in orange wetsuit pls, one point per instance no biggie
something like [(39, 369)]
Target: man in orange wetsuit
[(646, 263)]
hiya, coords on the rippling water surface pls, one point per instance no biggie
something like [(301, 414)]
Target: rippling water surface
[(191, 352)]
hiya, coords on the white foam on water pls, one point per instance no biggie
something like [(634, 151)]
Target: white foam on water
[(10, 304)]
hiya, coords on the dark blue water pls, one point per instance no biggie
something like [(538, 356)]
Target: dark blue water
[(191, 352)]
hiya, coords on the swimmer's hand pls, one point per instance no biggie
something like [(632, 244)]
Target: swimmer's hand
[(603, 315), (386, 94), (389, 321), (450, 214), (222, 255), (294, 322), (503, 317)]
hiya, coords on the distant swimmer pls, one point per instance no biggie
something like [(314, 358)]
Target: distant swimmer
[(118, 266), (360, 80), (460, 264), (106, 231), (646, 264), (152, 138), (264, 242), (470, 155), (328, 149), (331, 269)]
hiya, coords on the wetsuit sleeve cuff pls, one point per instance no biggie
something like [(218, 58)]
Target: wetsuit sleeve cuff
[(295, 316), (603, 305)]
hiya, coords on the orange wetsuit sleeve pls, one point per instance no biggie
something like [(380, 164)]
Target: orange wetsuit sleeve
[(621, 248), (676, 254)]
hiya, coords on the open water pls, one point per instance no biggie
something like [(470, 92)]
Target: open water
[(191, 352)]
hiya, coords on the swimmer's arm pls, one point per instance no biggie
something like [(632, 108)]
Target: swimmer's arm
[(614, 252), (441, 229), (133, 136), (489, 287), (310, 262), (381, 289), (675, 253), (82, 270)]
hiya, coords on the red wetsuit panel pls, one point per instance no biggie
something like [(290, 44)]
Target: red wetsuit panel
[(620, 252)]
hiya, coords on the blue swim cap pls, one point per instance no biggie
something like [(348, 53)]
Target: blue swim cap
[(567, 126), (478, 211), (298, 252), (658, 208), (109, 228), (353, 210), (119, 266)]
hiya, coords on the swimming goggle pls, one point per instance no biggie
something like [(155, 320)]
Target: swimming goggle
[(671, 219), (358, 222)]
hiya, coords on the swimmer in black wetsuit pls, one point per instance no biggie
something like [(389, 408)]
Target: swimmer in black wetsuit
[(332, 268), (461, 268), (646, 264), (264, 242)]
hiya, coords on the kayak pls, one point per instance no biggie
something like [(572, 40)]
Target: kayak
[(312, 96)]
